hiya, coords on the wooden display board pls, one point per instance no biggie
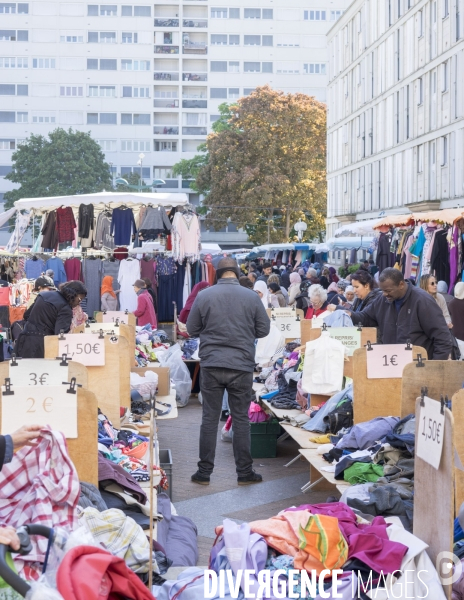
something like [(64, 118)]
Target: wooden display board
[(458, 415), (434, 496), (110, 382), (74, 369), (376, 397), (440, 377), (131, 319)]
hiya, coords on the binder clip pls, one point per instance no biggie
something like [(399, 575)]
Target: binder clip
[(293, 308), (273, 317), (61, 336), (324, 327), (360, 326), (448, 402), (298, 317), (72, 386), (126, 312), (104, 312), (101, 335), (14, 358), (116, 323), (442, 405), (424, 392), (64, 360), (369, 346), (408, 345), (87, 324), (420, 362), (8, 391)]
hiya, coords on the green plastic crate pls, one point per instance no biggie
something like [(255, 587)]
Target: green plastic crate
[(264, 439)]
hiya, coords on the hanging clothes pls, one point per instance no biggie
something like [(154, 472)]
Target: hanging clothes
[(111, 267), (440, 256), (103, 237), (147, 269), (34, 268), (384, 258), (65, 224), (120, 253), (186, 237), (57, 266), (166, 278), (129, 272), (92, 273), (49, 232), (155, 222), (73, 269), (86, 227), (123, 226)]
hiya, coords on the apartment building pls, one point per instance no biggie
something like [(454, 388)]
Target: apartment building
[(148, 78), (395, 109)]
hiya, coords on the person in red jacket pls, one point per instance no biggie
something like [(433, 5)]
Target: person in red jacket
[(145, 312)]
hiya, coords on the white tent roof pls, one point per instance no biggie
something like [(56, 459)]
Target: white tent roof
[(358, 228), (210, 248), (349, 243), (113, 199)]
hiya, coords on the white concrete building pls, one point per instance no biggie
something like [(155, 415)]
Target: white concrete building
[(148, 78), (395, 109)]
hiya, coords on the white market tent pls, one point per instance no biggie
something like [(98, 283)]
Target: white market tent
[(349, 243), (112, 199), (360, 228)]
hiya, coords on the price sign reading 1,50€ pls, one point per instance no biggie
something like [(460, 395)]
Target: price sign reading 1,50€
[(85, 348), (387, 361), (430, 433)]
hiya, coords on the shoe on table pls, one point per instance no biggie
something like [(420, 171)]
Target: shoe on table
[(199, 478), (224, 415), (249, 479)]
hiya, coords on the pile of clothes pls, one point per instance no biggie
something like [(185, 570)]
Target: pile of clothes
[(148, 341)]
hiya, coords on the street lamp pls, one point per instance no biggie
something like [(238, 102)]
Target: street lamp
[(140, 162), (300, 228)]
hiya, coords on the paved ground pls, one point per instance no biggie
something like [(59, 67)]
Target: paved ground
[(208, 505)]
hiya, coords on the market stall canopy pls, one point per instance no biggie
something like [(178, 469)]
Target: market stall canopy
[(113, 199), (447, 215), (6, 216), (349, 243), (358, 228), (209, 248)]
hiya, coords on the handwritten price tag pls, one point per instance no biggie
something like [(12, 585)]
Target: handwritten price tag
[(38, 371), (387, 361), (290, 327), (41, 405), (429, 442), (112, 315), (85, 348), (105, 327), (350, 337)]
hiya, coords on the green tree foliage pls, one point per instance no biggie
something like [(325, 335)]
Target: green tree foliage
[(65, 163)]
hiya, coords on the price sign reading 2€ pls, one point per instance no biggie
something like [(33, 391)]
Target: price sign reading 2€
[(85, 348), (387, 361), (429, 442)]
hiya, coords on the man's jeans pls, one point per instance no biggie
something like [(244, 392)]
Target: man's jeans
[(213, 382)]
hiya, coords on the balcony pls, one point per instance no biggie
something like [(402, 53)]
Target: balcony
[(186, 183), (194, 102), (165, 76), (166, 49), (166, 103), (195, 48), (194, 77), (169, 183), (166, 22), (195, 23), (194, 130), (166, 129)]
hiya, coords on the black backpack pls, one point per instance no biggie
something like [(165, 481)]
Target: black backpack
[(340, 417)]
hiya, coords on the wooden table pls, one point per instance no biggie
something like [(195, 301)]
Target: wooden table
[(317, 462)]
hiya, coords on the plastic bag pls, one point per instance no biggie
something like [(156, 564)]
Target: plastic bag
[(179, 373), (267, 347), (227, 432), (41, 591)]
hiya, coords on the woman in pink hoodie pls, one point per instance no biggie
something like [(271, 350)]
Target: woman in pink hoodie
[(145, 312)]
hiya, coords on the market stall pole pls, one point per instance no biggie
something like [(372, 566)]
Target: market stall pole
[(107, 381)]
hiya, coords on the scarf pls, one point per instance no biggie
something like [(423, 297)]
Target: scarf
[(260, 286), (107, 286)]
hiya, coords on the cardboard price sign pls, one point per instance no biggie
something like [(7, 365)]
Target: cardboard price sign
[(41, 405), (85, 348), (289, 326), (430, 433), (37, 371), (350, 337), (387, 361), (112, 315)]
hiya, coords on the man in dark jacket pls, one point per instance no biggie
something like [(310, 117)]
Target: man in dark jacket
[(267, 270), (228, 318), (403, 312)]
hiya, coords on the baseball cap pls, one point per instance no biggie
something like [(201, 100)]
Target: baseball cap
[(44, 281)]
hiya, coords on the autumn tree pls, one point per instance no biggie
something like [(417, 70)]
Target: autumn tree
[(267, 167)]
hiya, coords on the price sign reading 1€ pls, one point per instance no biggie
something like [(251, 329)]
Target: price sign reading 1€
[(430, 433), (387, 361), (85, 348), (112, 315), (41, 405)]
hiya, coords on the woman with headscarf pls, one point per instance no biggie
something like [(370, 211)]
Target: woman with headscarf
[(333, 294), (260, 288), (294, 289), (333, 275), (184, 313), (325, 278), (276, 279), (456, 309), (301, 299), (109, 300)]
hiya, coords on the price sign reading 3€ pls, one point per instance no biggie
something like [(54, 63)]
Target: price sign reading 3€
[(429, 442), (85, 348), (112, 315), (387, 361), (41, 405), (38, 371)]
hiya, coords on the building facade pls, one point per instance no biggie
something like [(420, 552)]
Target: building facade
[(395, 109), (149, 78)]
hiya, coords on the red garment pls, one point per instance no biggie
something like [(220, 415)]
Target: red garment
[(65, 224), (120, 253), (72, 266), (147, 269), (90, 573), (145, 312), (312, 312), (184, 313), (211, 273)]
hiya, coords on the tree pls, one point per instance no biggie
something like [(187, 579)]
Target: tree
[(66, 163), (267, 166)]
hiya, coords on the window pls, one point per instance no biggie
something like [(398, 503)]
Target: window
[(102, 37), (13, 63), (92, 64), (7, 116), (71, 38), (335, 14), (108, 10), (444, 77), (268, 40), (10, 89), (248, 91), (22, 117), (108, 64), (162, 172), (266, 67), (268, 13), (218, 39), (219, 13), (4, 170), (92, 10), (105, 91), (234, 40), (420, 23), (234, 66), (315, 15), (135, 119), (135, 65), (22, 90), (7, 145), (10, 8), (142, 11), (214, 118), (218, 66), (11, 35), (420, 91), (165, 146), (107, 145), (252, 13), (420, 158), (101, 119), (43, 117), (444, 151), (129, 170), (314, 68), (234, 13), (251, 67), (218, 93), (445, 8), (234, 93), (135, 92), (129, 38), (135, 146), (43, 63), (252, 40)]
